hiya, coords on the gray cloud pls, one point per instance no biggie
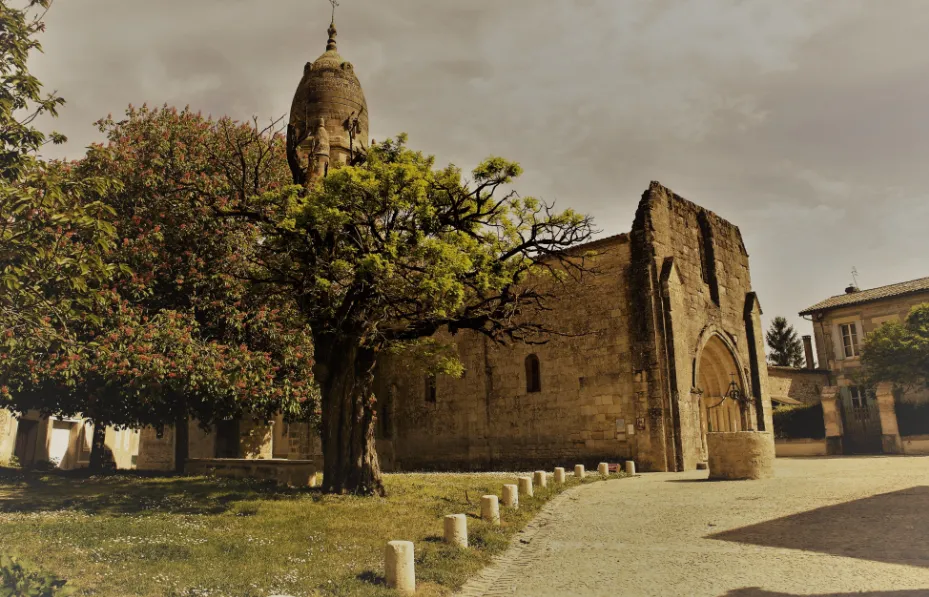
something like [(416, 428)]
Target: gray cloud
[(802, 121)]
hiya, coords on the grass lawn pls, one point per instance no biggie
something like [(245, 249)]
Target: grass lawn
[(129, 534)]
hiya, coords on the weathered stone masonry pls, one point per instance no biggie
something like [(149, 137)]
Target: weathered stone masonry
[(630, 388)]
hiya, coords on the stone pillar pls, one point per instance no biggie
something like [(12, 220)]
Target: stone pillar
[(604, 469), (399, 569), (540, 479), (490, 509), (559, 475), (630, 467), (456, 530), (9, 426), (832, 418), (890, 433), (525, 486), (579, 471), (511, 496)]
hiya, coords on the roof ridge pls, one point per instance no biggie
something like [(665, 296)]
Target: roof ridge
[(870, 294)]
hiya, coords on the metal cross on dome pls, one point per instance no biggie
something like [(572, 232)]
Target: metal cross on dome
[(335, 4)]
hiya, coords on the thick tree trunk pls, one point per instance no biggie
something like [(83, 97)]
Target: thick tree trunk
[(181, 444), (98, 449), (346, 379)]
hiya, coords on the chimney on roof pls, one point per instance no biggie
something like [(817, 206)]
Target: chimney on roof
[(808, 351), (852, 289)]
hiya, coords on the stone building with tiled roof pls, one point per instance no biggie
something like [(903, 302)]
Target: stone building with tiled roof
[(840, 325)]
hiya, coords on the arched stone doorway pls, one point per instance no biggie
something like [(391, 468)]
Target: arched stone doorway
[(717, 369)]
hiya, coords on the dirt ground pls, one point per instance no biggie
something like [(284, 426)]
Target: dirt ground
[(826, 526)]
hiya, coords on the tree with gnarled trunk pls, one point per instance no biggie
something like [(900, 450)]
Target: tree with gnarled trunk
[(383, 255)]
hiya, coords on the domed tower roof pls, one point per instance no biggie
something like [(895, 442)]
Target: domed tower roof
[(329, 94)]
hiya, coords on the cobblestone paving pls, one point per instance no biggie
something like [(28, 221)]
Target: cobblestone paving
[(831, 527)]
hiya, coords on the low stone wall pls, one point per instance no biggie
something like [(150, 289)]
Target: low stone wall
[(788, 448), (740, 454), (915, 444), (296, 473)]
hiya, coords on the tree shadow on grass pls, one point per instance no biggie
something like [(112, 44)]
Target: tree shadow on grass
[(758, 592), (372, 578), (890, 527), (130, 492)]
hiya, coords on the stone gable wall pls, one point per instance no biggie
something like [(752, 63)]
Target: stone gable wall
[(678, 248)]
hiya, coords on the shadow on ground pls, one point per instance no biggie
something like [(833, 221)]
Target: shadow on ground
[(756, 592), (890, 528), (125, 492)]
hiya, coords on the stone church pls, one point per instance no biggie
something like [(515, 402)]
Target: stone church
[(667, 343), (668, 340)]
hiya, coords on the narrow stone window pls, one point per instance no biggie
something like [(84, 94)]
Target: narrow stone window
[(533, 374), (430, 389), (708, 256)]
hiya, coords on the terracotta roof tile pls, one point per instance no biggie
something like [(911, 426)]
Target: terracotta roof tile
[(867, 296)]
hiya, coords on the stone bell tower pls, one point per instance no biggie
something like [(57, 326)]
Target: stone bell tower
[(328, 118)]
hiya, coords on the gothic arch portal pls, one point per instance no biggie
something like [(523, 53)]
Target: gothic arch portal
[(716, 367)]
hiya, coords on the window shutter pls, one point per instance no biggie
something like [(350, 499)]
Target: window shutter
[(837, 343)]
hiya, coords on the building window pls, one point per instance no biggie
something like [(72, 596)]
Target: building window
[(857, 396), (430, 389), (849, 340), (533, 374)]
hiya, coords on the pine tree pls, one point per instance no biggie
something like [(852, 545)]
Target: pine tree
[(786, 348)]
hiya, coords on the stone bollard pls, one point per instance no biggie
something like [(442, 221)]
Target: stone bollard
[(630, 467), (579, 471), (604, 469), (490, 509), (559, 475), (525, 486), (456, 530), (398, 567), (540, 479), (511, 496)]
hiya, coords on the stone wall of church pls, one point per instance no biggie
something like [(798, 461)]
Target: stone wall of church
[(624, 387), (487, 419)]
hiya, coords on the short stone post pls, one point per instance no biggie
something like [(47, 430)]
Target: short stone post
[(540, 478), (630, 467), (511, 496), (490, 509), (559, 475), (604, 469), (579, 471), (525, 486), (456, 530), (398, 567)]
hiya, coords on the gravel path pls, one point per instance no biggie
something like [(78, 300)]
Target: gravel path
[(828, 527)]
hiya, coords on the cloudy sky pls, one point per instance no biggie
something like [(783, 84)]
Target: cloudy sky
[(804, 122)]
